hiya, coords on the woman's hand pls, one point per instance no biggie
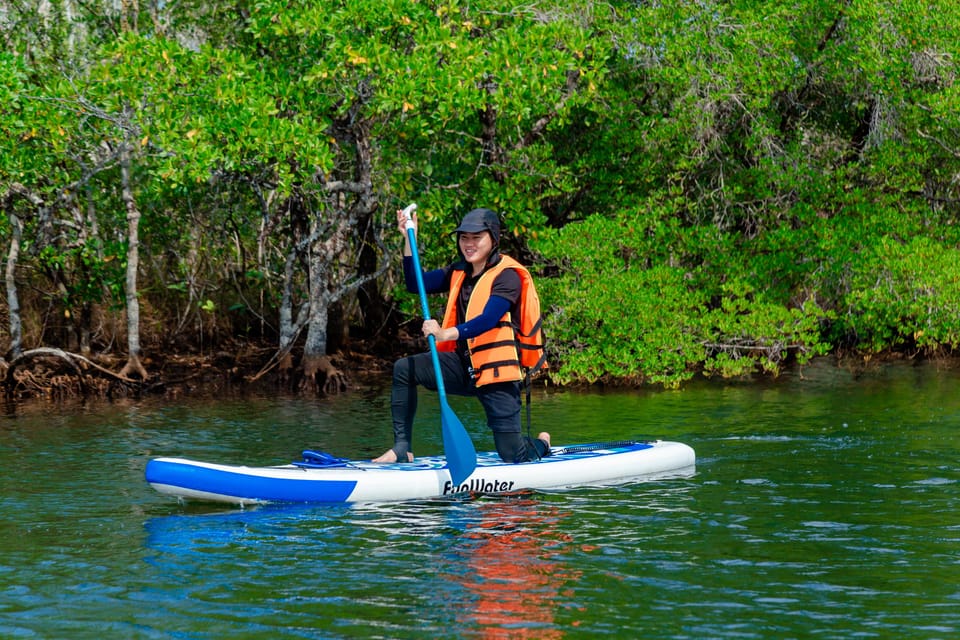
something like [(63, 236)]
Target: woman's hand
[(402, 222), (432, 328), (402, 225)]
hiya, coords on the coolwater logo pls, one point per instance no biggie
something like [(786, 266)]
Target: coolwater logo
[(478, 485)]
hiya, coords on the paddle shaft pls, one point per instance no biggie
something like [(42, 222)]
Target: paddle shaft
[(422, 288), (460, 453)]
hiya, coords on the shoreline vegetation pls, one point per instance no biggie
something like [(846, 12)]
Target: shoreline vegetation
[(54, 375), (202, 194)]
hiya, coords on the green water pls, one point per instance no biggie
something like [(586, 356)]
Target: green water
[(825, 505)]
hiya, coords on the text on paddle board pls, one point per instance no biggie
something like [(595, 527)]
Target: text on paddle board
[(478, 485)]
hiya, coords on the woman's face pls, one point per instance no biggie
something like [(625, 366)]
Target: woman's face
[(476, 248)]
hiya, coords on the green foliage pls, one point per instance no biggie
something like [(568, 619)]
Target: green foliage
[(746, 331), (627, 326), (906, 293), (625, 309), (715, 187)]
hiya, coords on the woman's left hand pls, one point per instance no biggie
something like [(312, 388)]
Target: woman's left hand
[(432, 328)]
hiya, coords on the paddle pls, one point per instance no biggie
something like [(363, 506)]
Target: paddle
[(457, 445)]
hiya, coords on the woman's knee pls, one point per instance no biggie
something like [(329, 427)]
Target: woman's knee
[(509, 445), (515, 447), (404, 371)]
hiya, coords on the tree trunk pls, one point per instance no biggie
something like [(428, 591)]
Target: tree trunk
[(91, 237), (134, 367), (13, 256), (319, 375), (375, 313), (316, 342), (129, 15), (289, 328), (13, 300)]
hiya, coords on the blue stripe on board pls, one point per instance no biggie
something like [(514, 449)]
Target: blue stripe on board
[(249, 487), (596, 449)]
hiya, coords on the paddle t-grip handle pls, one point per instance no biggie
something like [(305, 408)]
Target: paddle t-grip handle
[(408, 215)]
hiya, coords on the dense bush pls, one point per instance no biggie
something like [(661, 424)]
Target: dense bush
[(716, 187)]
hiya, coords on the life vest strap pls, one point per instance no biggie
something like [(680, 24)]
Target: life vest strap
[(497, 364), (493, 345), (533, 330)]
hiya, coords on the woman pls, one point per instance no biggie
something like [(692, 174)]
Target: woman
[(476, 342)]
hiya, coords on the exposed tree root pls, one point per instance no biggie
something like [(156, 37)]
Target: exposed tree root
[(59, 374), (134, 367), (320, 376)]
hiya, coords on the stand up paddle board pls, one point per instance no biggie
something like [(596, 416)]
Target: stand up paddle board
[(321, 477)]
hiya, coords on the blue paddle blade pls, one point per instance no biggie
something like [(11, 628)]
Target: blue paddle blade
[(457, 446)]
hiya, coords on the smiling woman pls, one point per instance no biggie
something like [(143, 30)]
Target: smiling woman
[(475, 351)]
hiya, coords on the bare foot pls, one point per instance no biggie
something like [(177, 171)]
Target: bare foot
[(543, 435), (391, 456)]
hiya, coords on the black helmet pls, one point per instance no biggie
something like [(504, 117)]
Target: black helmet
[(481, 220)]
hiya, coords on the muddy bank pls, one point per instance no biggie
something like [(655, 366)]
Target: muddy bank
[(61, 375), (54, 374)]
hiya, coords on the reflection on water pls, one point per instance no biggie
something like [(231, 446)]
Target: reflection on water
[(825, 506), (512, 574), (501, 574)]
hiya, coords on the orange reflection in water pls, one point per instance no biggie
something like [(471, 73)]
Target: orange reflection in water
[(514, 582)]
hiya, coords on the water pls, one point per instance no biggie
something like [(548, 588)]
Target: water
[(825, 505)]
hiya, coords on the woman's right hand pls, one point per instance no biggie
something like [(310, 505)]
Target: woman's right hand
[(402, 225), (402, 222)]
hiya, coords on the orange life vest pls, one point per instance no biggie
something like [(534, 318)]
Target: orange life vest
[(514, 344)]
